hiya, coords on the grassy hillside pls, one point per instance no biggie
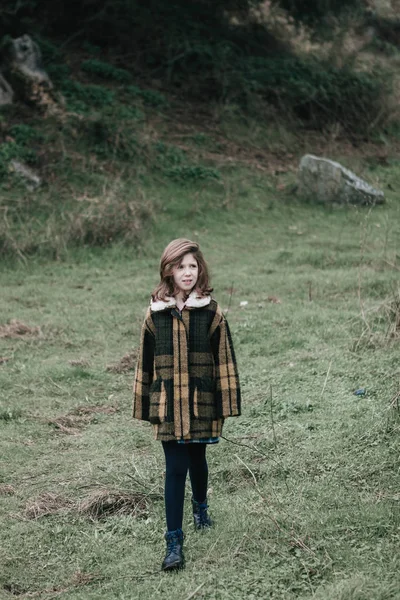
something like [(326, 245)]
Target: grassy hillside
[(304, 490)]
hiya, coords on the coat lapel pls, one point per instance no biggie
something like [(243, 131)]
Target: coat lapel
[(194, 301)]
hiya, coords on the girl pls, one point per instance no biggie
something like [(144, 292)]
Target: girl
[(186, 382)]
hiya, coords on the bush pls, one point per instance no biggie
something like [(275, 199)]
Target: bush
[(49, 229), (317, 12), (123, 112), (108, 138), (58, 72), (316, 92), (82, 97), (192, 173), (13, 151), (49, 51), (105, 70), (91, 48), (169, 155), (149, 97), (25, 134), (102, 223)]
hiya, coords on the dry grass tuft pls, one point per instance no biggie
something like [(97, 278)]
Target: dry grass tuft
[(6, 490), (78, 579), (18, 329), (395, 401), (80, 362), (92, 409), (69, 424), (391, 309), (127, 363), (100, 504), (387, 315), (47, 504), (79, 417), (104, 503)]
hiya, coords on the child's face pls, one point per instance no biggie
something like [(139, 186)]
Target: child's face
[(186, 274)]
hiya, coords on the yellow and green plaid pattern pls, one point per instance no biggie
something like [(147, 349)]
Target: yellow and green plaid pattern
[(186, 379)]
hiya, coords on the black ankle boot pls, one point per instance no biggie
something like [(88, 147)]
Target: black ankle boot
[(174, 558), (200, 515)]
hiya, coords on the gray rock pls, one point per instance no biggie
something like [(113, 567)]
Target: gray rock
[(31, 180), (328, 181), (6, 92), (24, 70), (27, 59)]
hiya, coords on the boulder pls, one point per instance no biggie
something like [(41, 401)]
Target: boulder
[(24, 69), (25, 57), (6, 92), (328, 181), (27, 175)]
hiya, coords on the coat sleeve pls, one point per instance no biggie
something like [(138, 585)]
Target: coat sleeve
[(226, 374), (144, 371)]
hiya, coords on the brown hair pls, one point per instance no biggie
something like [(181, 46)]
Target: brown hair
[(171, 258)]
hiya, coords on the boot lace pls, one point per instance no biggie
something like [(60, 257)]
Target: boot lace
[(203, 518), (173, 539)]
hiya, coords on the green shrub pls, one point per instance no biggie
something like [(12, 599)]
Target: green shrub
[(192, 173), (108, 139), (58, 72), (316, 92), (13, 151), (91, 48), (10, 414), (25, 134), (50, 52), (82, 97), (201, 139), (149, 97), (317, 12), (387, 48), (101, 224), (50, 229), (122, 112), (104, 70), (168, 155)]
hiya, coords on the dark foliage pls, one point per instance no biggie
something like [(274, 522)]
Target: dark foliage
[(318, 12), (193, 46)]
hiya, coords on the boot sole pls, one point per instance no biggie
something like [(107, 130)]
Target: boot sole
[(173, 567)]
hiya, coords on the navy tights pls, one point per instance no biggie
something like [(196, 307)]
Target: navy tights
[(179, 458)]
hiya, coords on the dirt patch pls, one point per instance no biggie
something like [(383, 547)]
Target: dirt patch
[(100, 504), (70, 424), (104, 503), (79, 362), (47, 504), (18, 329), (92, 409), (4, 360), (78, 579), (6, 490), (14, 589), (81, 416), (127, 363)]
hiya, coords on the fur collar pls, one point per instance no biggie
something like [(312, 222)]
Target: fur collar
[(193, 301)]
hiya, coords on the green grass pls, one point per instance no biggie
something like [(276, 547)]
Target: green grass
[(307, 505)]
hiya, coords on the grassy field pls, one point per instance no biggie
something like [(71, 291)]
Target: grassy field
[(305, 489)]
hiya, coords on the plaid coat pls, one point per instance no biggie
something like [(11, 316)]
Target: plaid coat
[(186, 379)]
